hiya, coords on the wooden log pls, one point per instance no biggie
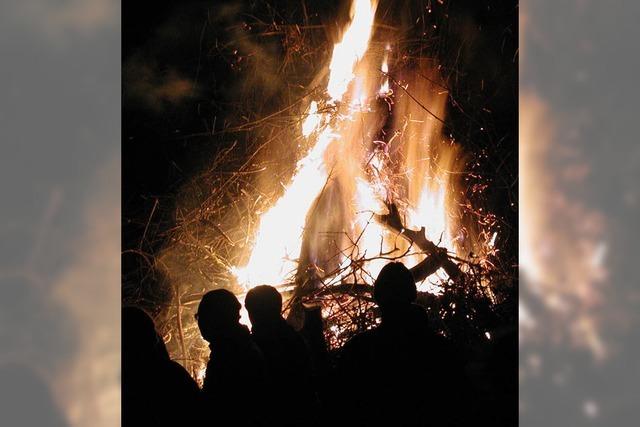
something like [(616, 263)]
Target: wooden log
[(436, 256)]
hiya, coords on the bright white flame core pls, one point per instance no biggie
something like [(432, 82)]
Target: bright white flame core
[(384, 88), (351, 49), (312, 121), (279, 235)]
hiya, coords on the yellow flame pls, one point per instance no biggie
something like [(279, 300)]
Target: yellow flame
[(384, 88), (351, 49), (279, 236), (425, 158), (371, 232), (428, 162), (431, 213)]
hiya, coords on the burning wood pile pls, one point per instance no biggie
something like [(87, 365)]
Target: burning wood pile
[(339, 220), (379, 176)]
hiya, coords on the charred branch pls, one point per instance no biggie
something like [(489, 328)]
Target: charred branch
[(436, 256)]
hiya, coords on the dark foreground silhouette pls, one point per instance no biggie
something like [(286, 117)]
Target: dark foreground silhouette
[(398, 373), (156, 391), (290, 385), (235, 381)]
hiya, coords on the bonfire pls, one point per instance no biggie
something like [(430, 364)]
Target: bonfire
[(378, 176)]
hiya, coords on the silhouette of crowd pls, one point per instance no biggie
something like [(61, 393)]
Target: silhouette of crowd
[(400, 373)]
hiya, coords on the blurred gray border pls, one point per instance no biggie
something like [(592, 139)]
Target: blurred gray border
[(60, 180), (579, 60), (60, 212)]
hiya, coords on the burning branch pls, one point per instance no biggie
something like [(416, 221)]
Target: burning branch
[(436, 257)]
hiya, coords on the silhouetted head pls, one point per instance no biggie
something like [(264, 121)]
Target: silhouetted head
[(264, 304), (140, 340), (394, 288), (218, 313)]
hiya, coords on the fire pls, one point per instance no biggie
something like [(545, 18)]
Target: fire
[(279, 240), (352, 48), (312, 121), (384, 88), (348, 175), (429, 162), (372, 234)]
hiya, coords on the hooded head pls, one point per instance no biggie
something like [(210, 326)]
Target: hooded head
[(394, 288)]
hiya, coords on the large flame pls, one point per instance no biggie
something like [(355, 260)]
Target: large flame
[(346, 177), (354, 175), (351, 49), (279, 237)]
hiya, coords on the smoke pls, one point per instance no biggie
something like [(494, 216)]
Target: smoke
[(88, 383), (152, 88)]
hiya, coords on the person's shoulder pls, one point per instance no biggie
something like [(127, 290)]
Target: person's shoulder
[(418, 314), (358, 351), (292, 335), (284, 329), (253, 351), (176, 368), (179, 372), (362, 340)]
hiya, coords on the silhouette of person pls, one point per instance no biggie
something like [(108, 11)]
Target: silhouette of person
[(234, 383), (502, 371), (287, 358), (397, 373), (313, 333), (155, 389)]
